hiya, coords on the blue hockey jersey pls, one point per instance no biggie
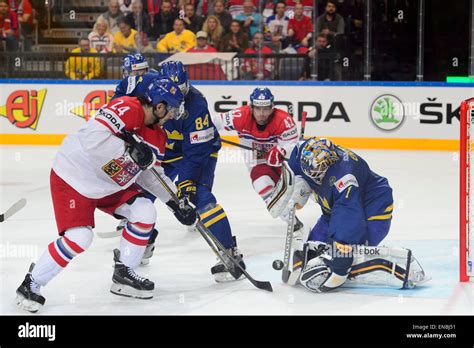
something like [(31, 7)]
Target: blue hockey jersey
[(350, 194), (192, 138)]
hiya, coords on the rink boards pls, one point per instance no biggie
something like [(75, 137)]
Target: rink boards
[(407, 116)]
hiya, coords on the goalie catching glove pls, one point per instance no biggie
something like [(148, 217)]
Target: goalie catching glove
[(139, 151), (289, 187)]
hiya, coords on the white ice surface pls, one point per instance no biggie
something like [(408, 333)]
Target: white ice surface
[(426, 219)]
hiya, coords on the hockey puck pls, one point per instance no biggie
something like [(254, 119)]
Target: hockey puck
[(277, 265)]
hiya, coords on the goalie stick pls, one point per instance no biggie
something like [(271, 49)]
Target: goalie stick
[(288, 254), (210, 239), (13, 209)]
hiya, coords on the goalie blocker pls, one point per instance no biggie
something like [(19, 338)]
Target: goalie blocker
[(342, 246)]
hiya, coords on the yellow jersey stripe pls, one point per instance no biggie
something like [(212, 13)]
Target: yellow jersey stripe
[(380, 217), (210, 212), (217, 218), (173, 160), (389, 209), (215, 155)]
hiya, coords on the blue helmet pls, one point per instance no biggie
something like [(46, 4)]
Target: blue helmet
[(175, 71), (133, 62), (167, 92), (261, 97)]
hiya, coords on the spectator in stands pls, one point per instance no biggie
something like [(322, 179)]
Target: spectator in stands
[(192, 21), (25, 19), (124, 40), (138, 19), (100, 38), (277, 24), (179, 40), (234, 41), (113, 15), (125, 6), (268, 9), (236, 7), (307, 7), (202, 45), (252, 21), (300, 28), (330, 22), (205, 8), (260, 68), (214, 29), (9, 31), (143, 44), (163, 21), (83, 68), (222, 14), (329, 67)]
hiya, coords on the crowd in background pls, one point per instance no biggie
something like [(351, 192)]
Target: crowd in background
[(243, 26)]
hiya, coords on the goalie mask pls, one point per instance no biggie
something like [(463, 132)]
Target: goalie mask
[(317, 156)]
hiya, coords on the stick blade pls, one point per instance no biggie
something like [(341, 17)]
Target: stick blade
[(13, 209), (263, 285)]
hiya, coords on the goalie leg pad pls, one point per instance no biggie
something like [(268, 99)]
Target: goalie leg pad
[(289, 187), (384, 266)]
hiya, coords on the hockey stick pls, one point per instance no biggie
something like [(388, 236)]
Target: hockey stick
[(212, 240), (287, 256), (13, 209)]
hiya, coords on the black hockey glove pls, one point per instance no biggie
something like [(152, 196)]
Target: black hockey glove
[(184, 212), (139, 151)]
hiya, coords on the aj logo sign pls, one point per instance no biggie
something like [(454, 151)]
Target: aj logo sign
[(23, 108)]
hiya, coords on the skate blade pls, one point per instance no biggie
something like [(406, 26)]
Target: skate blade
[(27, 305), (128, 291)]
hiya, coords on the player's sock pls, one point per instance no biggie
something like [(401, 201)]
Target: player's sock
[(134, 240), (215, 219), (60, 252)]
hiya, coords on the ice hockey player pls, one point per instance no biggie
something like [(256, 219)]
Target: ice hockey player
[(191, 157), (134, 65), (271, 132), (357, 206), (137, 78), (100, 166)]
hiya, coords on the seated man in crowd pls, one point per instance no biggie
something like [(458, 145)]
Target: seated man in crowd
[(83, 68), (252, 20), (202, 44), (300, 28), (179, 40), (124, 40), (330, 22), (113, 15), (259, 68)]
